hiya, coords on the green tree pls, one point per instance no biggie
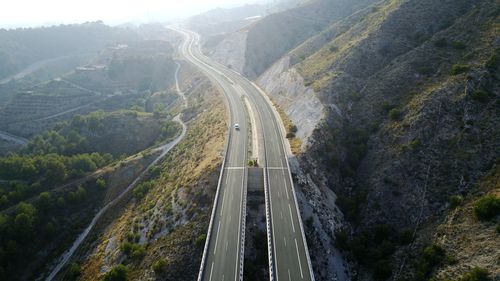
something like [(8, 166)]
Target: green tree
[(53, 168), (101, 183), (24, 226), (61, 202), (44, 201), (50, 229)]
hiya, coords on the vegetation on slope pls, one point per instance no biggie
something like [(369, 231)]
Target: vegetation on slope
[(410, 89), (162, 227), (23, 46)]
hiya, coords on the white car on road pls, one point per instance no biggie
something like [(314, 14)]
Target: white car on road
[(237, 126)]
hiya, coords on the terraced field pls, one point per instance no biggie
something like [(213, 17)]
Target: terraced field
[(31, 106)]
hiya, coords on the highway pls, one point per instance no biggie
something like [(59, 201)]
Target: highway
[(223, 255), (289, 254)]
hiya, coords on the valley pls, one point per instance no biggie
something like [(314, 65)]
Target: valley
[(278, 140)]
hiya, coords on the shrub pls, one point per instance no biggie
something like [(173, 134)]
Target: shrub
[(101, 183), (159, 265), (142, 189), (292, 128), (459, 45), (459, 68), (492, 62), (73, 271), (117, 273), (200, 241), (476, 274), (395, 114), (480, 96), (133, 237), (434, 254), (333, 49), (431, 257), (387, 106), (487, 207), (355, 96), (455, 201), (425, 70), (133, 250)]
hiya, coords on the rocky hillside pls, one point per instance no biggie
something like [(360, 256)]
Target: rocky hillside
[(403, 98)]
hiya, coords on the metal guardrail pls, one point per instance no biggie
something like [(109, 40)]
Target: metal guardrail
[(270, 242), (270, 246), (216, 200), (283, 136), (243, 223)]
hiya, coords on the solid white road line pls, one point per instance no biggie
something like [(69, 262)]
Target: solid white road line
[(284, 239), (289, 276), (291, 217), (298, 257)]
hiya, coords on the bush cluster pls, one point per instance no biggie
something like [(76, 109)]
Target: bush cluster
[(487, 207)]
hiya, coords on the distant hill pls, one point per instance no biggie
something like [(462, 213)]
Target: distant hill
[(22, 47)]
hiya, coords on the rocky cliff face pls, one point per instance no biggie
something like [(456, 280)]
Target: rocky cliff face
[(286, 87), (230, 51), (403, 96)]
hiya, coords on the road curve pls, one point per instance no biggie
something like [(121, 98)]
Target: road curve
[(289, 254), (223, 254)]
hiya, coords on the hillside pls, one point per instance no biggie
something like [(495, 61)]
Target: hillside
[(22, 47), (397, 105), (158, 232), (118, 133), (138, 74)]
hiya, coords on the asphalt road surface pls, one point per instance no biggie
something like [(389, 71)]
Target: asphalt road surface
[(290, 257), (224, 255)]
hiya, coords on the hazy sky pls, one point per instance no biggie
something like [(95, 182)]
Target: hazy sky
[(14, 13)]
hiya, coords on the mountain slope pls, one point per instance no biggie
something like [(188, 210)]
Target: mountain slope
[(24, 46), (408, 92)]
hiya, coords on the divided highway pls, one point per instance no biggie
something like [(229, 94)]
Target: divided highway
[(289, 254)]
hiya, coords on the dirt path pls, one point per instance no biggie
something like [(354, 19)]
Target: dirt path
[(164, 150), (13, 138)]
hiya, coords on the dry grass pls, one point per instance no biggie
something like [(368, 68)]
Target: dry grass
[(470, 241), (173, 203)]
